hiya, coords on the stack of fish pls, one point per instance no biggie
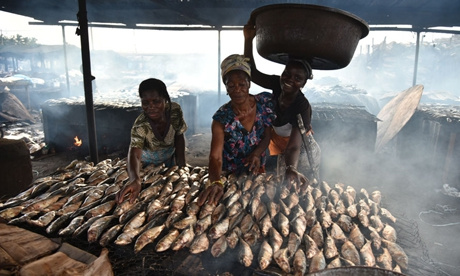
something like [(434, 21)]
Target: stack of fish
[(265, 223)]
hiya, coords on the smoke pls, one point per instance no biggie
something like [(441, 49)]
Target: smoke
[(376, 74), (388, 68)]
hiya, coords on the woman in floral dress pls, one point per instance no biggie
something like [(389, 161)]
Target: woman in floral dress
[(240, 129)]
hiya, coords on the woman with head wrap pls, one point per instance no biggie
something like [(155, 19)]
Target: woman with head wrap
[(240, 127), (300, 152), (157, 136)]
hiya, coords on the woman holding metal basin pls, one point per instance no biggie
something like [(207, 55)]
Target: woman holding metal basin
[(291, 133)]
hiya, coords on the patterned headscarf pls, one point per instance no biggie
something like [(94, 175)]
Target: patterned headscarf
[(235, 62)]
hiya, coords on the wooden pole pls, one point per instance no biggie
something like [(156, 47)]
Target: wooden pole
[(87, 79)]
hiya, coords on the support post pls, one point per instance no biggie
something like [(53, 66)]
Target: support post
[(417, 49), (87, 79), (219, 92), (64, 44)]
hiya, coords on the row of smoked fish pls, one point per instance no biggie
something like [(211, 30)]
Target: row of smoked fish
[(261, 222)]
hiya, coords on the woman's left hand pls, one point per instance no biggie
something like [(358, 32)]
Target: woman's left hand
[(253, 162), (132, 188), (211, 194)]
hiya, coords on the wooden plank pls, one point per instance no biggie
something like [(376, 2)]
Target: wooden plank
[(395, 114), (23, 245)]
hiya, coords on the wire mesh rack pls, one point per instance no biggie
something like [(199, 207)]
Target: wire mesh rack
[(409, 239), (149, 262)]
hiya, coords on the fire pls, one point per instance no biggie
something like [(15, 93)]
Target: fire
[(78, 142)]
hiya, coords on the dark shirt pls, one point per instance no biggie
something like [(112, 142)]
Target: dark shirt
[(289, 115)]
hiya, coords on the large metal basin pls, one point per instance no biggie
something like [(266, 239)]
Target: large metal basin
[(325, 36), (356, 271)]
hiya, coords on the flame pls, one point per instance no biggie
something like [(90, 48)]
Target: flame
[(78, 142)]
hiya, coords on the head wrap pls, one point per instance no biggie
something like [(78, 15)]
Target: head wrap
[(306, 65), (235, 62)]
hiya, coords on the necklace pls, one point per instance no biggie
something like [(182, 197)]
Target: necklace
[(242, 114)]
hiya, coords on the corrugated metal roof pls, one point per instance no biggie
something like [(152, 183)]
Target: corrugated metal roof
[(217, 13)]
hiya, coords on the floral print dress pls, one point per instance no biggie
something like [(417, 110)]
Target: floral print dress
[(238, 142)]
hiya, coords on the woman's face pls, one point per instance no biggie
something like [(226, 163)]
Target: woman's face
[(153, 104), (237, 85), (293, 78)]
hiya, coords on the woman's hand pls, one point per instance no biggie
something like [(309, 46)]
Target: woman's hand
[(253, 162), (133, 188), (292, 176), (211, 194)]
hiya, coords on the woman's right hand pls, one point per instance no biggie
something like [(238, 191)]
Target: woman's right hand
[(133, 188), (211, 194), (249, 31), (293, 177)]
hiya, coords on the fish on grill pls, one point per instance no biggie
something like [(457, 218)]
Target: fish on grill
[(265, 255), (73, 225), (219, 246), (334, 263), (350, 253), (299, 263), (397, 253), (282, 257), (319, 226), (199, 244), (147, 237), (11, 212), (233, 237), (166, 242), (185, 238), (109, 235), (276, 240), (96, 229), (318, 262), (384, 259), (311, 248), (357, 237), (58, 223), (43, 220), (316, 233), (367, 255), (219, 229), (245, 255), (389, 233), (330, 249)]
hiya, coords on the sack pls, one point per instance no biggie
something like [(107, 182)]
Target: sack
[(309, 159), (313, 154)]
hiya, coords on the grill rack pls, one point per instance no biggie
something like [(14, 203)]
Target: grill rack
[(148, 262), (409, 239)]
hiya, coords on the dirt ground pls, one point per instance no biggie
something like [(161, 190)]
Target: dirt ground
[(417, 198)]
